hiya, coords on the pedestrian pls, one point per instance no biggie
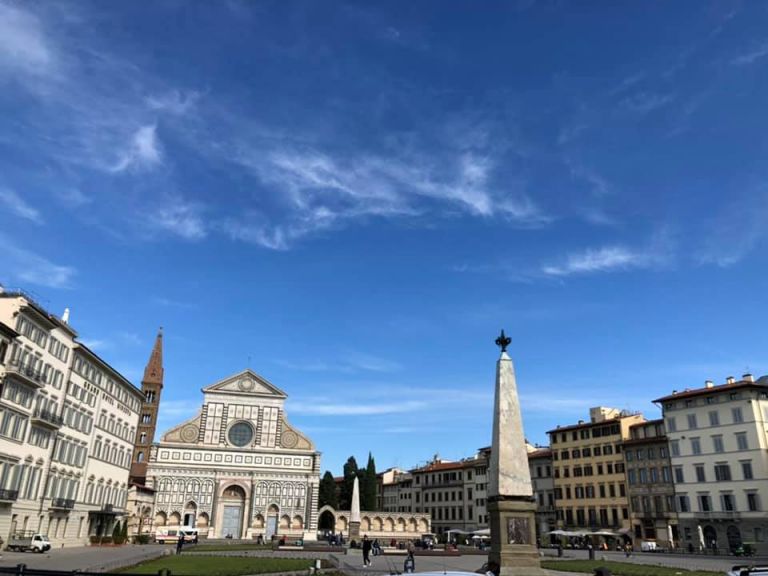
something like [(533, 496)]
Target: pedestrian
[(179, 544), (366, 551), (409, 566)]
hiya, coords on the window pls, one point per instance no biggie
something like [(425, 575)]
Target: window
[(700, 475), (717, 443), (737, 415), (674, 446), (692, 424), (705, 503), (753, 501), (695, 446), (722, 472), (240, 434), (146, 418), (629, 455), (683, 504), (631, 477), (746, 469), (714, 418), (679, 475), (665, 475), (727, 502), (671, 425), (140, 457), (741, 441), (643, 476)]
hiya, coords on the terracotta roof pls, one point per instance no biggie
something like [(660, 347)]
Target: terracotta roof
[(761, 382), (540, 453), (647, 422), (436, 467)]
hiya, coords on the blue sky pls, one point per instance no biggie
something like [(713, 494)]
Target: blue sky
[(355, 197)]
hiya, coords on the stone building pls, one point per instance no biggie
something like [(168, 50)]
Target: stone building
[(590, 486), (543, 480), (238, 468), (67, 422), (649, 484), (718, 446)]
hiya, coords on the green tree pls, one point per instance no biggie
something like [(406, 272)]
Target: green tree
[(368, 486), (327, 492), (350, 471)]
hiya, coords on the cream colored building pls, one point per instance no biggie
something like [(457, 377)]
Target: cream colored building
[(590, 487), (67, 420), (238, 468), (719, 453)]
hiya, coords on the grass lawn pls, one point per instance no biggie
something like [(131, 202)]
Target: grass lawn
[(621, 568), (227, 547), (194, 565)]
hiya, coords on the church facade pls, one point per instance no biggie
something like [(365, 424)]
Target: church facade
[(238, 468)]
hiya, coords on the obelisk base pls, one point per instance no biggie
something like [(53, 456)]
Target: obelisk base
[(354, 532), (513, 537)]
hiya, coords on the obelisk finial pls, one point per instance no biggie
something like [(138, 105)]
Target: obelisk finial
[(503, 341)]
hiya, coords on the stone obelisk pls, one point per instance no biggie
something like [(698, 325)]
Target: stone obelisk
[(511, 505), (354, 515)]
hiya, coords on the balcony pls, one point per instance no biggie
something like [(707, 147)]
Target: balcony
[(47, 418), (26, 374), (62, 504), (8, 495), (720, 515), (108, 508)]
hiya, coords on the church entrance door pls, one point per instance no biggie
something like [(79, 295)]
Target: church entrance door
[(271, 527), (231, 521)]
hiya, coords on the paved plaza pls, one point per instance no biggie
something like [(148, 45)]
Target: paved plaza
[(85, 558)]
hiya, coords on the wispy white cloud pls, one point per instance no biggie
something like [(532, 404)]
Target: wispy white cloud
[(27, 267), (751, 56), (357, 409), (345, 364), (18, 206), (324, 191), (23, 46), (174, 102), (96, 344), (604, 259), (72, 197), (645, 102), (143, 150), (178, 217)]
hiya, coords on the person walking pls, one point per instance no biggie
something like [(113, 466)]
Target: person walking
[(179, 544), (366, 551)]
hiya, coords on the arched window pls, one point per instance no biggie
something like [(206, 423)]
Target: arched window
[(140, 457)]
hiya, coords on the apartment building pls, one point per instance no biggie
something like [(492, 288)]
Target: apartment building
[(652, 508), (67, 420), (590, 488), (718, 447), (543, 480), (395, 491)]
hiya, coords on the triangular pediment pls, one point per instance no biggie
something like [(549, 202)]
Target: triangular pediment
[(246, 383)]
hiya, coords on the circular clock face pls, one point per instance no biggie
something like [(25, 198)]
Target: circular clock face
[(241, 434)]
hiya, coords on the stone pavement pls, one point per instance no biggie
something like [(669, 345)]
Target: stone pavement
[(85, 558)]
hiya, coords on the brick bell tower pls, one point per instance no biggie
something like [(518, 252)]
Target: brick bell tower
[(151, 387)]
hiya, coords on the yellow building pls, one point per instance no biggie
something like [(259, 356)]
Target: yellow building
[(590, 487)]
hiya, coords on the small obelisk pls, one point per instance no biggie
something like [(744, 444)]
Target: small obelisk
[(354, 515), (511, 505)]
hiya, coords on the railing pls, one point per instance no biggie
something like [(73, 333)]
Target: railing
[(9, 495), (721, 515), (30, 375), (48, 417), (62, 503)]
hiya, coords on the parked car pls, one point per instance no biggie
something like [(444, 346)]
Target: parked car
[(749, 570), (23, 541)]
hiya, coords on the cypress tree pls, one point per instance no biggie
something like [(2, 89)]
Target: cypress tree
[(327, 492), (350, 471), (124, 532), (116, 532), (369, 486)]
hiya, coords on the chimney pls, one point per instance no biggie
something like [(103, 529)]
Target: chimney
[(730, 380), (65, 316), (748, 377), (709, 384)]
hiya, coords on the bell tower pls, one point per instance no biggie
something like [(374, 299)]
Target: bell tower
[(151, 387)]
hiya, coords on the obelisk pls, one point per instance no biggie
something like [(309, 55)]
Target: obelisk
[(511, 505), (354, 516)]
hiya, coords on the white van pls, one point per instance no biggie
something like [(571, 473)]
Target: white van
[(170, 535)]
